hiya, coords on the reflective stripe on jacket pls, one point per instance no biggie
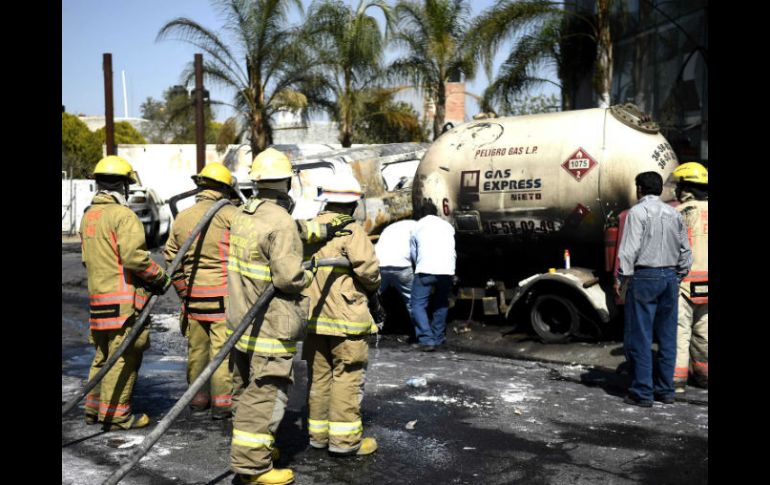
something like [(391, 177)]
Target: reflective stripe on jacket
[(265, 247), (201, 279), (117, 262), (338, 302), (695, 214)]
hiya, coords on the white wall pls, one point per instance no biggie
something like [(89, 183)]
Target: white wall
[(74, 202)]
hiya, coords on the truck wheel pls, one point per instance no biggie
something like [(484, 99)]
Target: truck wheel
[(154, 239), (554, 318)]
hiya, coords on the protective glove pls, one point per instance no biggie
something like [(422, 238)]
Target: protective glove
[(377, 310), (336, 227), (160, 286), (313, 265), (311, 270)]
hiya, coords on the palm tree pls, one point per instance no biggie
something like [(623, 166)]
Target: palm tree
[(575, 40), (349, 46), (384, 120), (433, 34), (266, 64)]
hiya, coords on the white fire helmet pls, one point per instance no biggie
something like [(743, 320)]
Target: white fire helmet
[(342, 189)]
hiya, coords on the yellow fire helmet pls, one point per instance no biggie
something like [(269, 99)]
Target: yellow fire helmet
[(115, 165), (214, 171), (270, 165), (692, 172), (342, 189)]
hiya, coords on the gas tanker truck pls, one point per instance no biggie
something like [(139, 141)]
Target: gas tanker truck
[(535, 202)]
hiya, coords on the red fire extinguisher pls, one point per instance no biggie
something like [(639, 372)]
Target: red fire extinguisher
[(610, 248)]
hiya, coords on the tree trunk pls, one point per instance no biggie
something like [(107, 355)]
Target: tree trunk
[(438, 120), (603, 74), (346, 120), (346, 138), (258, 135)]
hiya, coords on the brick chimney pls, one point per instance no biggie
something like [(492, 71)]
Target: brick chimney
[(455, 102)]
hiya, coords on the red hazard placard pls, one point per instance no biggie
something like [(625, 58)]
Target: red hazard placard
[(579, 164)]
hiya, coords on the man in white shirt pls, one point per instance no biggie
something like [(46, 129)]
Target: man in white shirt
[(393, 252), (433, 251)]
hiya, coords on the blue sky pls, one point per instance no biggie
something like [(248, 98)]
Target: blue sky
[(127, 30)]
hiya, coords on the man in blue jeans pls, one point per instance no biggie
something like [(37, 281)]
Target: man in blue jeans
[(433, 251), (394, 254), (654, 257)]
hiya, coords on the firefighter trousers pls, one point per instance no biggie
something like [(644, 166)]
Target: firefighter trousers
[(692, 346), (260, 393), (110, 400), (336, 369), (204, 341)]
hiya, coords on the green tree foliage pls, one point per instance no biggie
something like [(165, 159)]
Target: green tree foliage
[(529, 105), (223, 134), (384, 120), (433, 33), (172, 120), (576, 41), (349, 47), (266, 63), (125, 134), (81, 148)]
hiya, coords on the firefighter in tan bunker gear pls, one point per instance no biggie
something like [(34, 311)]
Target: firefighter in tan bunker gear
[(265, 247), (336, 347), (201, 283), (120, 272), (692, 333)]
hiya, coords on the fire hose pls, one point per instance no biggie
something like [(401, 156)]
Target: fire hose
[(139, 325), (167, 420)]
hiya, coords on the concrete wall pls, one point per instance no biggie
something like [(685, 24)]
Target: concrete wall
[(76, 195), (325, 132)]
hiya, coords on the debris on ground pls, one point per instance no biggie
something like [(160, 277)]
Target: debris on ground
[(417, 382)]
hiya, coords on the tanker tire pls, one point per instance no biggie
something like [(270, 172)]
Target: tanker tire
[(554, 318)]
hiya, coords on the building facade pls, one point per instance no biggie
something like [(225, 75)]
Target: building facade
[(660, 63)]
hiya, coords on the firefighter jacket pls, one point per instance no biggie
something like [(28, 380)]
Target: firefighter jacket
[(201, 279), (695, 214), (265, 247), (117, 261), (338, 301)]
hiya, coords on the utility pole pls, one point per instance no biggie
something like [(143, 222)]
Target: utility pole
[(200, 134), (109, 128), (125, 98)]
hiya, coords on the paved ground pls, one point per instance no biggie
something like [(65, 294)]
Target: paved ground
[(521, 413)]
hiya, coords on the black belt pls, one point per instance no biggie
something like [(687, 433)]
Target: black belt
[(654, 267)]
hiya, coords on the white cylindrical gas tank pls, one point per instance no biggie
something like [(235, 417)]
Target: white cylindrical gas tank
[(555, 174)]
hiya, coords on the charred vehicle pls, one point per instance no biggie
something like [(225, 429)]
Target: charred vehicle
[(152, 211), (522, 191), (385, 173)]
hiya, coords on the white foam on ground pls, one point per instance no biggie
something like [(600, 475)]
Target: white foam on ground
[(446, 400), (173, 358), (131, 440), (77, 471), (70, 384), (166, 320), (518, 392)]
